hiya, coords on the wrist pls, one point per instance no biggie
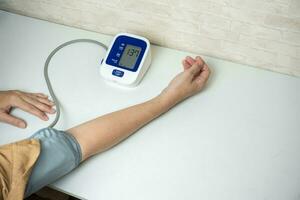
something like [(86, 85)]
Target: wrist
[(165, 101)]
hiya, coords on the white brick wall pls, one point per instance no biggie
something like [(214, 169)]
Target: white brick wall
[(261, 33)]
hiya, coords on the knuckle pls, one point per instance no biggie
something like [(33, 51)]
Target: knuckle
[(13, 95)]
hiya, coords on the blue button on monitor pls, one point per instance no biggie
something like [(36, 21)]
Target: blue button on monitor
[(118, 73)]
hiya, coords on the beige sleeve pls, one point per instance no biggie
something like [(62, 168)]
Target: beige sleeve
[(16, 162)]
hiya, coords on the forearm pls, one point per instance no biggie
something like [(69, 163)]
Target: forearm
[(102, 133), (106, 131)]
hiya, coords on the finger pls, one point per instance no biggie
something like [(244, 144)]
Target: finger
[(41, 95), (190, 60), (185, 64), (27, 107), (4, 117), (203, 76), (199, 60), (43, 100), (194, 70), (41, 106), (46, 101)]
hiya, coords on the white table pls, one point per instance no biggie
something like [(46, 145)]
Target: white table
[(238, 139)]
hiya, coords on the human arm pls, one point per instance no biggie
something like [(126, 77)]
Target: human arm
[(102, 133), (37, 104)]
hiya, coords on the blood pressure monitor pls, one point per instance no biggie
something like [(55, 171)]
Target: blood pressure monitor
[(127, 60)]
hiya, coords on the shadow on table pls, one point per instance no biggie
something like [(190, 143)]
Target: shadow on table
[(47, 193)]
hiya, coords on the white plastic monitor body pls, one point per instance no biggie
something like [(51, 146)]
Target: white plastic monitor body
[(112, 68)]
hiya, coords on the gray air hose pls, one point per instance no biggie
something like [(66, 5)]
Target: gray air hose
[(52, 94)]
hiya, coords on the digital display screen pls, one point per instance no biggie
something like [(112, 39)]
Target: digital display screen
[(130, 56)]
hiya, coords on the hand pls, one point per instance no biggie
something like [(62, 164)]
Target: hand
[(35, 103), (188, 82)]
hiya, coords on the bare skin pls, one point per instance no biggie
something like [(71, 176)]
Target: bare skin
[(102, 133), (37, 104)]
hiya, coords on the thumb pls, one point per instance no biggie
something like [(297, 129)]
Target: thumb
[(195, 69), (4, 117)]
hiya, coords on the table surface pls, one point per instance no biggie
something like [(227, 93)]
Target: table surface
[(238, 139)]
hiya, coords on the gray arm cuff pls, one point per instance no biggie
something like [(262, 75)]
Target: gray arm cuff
[(60, 154)]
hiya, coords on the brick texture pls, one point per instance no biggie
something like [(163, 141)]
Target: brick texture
[(260, 33)]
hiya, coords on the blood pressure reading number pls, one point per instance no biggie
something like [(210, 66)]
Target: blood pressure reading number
[(129, 56)]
